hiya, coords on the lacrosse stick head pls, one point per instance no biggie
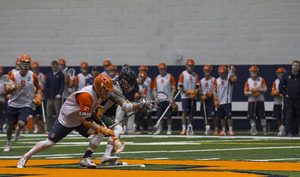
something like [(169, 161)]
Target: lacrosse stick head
[(71, 72), (5, 80), (119, 145), (160, 96)]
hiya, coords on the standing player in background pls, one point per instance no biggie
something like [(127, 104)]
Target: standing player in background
[(112, 72), (38, 110), (95, 73), (255, 88), (207, 94), (289, 87), (74, 112), (141, 94), (16, 69), (106, 64), (19, 105), (68, 83), (54, 87), (82, 77), (164, 82), (189, 86), (149, 84), (278, 100), (2, 98), (223, 88)]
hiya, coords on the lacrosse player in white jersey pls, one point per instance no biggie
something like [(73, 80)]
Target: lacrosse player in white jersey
[(125, 84), (149, 84), (206, 95), (164, 82), (2, 98), (38, 110), (74, 115), (189, 86), (20, 106), (255, 88), (68, 83), (223, 88), (82, 77), (112, 72), (278, 101), (106, 64)]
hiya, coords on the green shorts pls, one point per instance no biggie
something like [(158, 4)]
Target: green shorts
[(107, 121)]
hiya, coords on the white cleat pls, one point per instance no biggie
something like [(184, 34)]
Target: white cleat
[(253, 130), (169, 132), (158, 132), (107, 158), (87, 162), (7, 148), (22, 162), (17, 135)]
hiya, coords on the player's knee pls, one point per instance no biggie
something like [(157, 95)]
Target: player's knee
[(48, 143), (21, 124), (117, 130), (263, 122)]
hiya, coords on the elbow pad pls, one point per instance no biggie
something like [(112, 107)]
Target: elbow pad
[(127, 107)]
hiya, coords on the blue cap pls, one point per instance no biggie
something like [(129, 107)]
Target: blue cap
[(94, 68)]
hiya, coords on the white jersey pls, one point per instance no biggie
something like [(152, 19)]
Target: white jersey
[(258, 83), (69, 115), (224, 89), (65, 93), (105, 73), (115, 78), (277, 100), (207, 85), (2, 96), (149, 84), (189, 82), (25, 83), (164, 84), (81, 80)]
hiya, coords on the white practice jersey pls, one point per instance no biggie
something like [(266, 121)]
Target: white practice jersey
[(115, 96), (81, 80), (207, 85), (277, 99), (258, 83), (65, 93), (224, 89), (2, 89), (69, 115), (25, 83), (105, 73), (189, 82), (115, 78), (149, 84), (164, 84)]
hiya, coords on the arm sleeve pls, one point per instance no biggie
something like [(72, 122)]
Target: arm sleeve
[(172, 80), (85, 101), (215, 84), (274, 86), (36, 82), (45, 86), (154, 83), (263, 83), (9, 73), (246, 88), (151, 84), (76, 80), (180, 80), (145, 92)]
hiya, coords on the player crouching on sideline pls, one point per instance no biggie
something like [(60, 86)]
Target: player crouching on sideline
[(223, 88), (22, 101), (255, 88), (72, 116), (278, 100)]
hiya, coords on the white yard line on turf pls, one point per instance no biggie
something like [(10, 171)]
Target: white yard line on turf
[(265, 160), (174, 151), (208, 159)]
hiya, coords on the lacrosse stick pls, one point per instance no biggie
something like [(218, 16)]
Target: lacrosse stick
[(157, 123), (44, 116), (5, 80), (71, 73), (160, 96), (119, 145)]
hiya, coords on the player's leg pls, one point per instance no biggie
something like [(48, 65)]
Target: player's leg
[(185, 109), (261, 115), (49, 114), (221, 115), (130, 124), (251, 118), (229, 119), (149, 123), (169, 118), (12, 118), (159, 113)]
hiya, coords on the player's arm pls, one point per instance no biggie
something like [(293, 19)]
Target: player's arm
[(11, 87), (154, 91), (274, 91), (76, 81), (247, 92), (263, 88), (215, 98), (180, 84), (173, 87)]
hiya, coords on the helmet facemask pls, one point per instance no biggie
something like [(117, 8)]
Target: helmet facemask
[(84, 70), (190, 68), (24, 65), (279, 75), (35, 70), (162, 71), (253, 74), (61, 67), (141, 79), (223, 75), (105, 68), (126, 85), (111, 72), (206, 72)]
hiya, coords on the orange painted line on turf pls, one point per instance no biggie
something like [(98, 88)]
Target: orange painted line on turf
[(6, 168)]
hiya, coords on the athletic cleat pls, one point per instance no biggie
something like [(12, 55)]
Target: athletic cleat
[(253, 130), (22, 162), (107, 158), (169, 132), (116, 163), (26, 130), (216, 132), (183, 132), (231, 133), (265, 133), (158, 132), (87, 162), (7, 148), (139, 132), (129, 133), (282, 130), (35, 131), (17, 135), (149, 132), (190, 130), (46, 133), (207, 132), (223, 133)]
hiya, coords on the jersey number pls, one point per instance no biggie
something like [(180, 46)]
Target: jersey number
[(162, 81), (206, 84), (23, 84), (255, 84)]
